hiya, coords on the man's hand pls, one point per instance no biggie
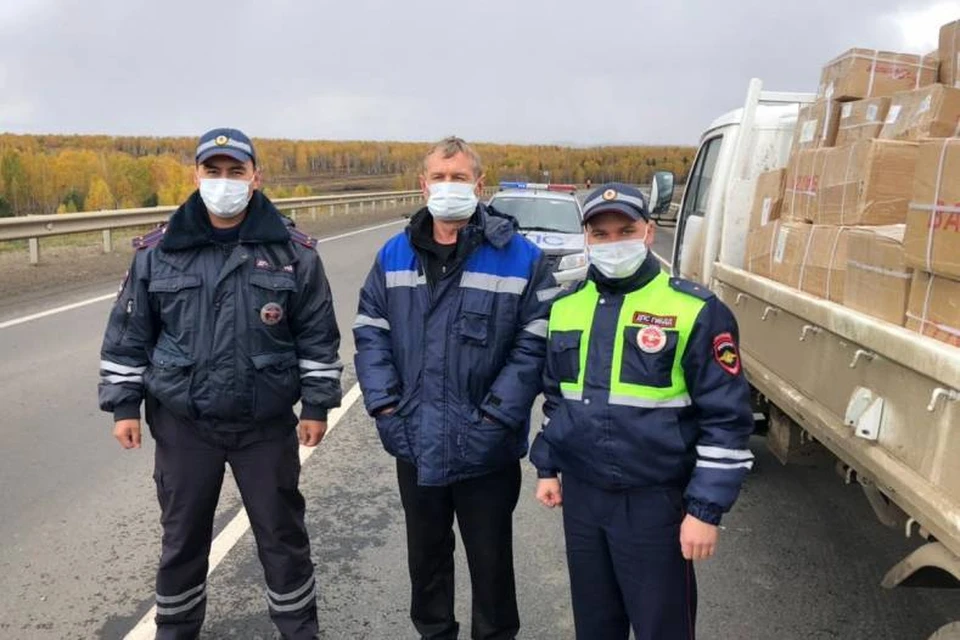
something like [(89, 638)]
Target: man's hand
[(127, 433), (386, 411), (698, 540), (549, 492), (312, 432)]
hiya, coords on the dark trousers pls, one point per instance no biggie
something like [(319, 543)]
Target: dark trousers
[(189, 469), (626, 569), (484, 510)]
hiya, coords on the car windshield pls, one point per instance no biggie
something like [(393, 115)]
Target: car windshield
[(541, 214)]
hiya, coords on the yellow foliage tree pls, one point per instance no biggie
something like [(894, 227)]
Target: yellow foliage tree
[(39, 173), (99, 196)]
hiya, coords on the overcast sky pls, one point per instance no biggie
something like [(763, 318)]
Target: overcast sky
[(527, 71)]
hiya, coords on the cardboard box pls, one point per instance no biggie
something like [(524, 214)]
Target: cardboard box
[(861, 120), (817, 125), (760, 245), (930, 112), (932, 241), (790, 246), (802, 185), (878, 278), (868, 73), (767, 199), (867, 183), (934, 308), (823, 264), (949, 54)]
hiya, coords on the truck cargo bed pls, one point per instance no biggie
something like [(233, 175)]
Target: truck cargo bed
[(912, 380)]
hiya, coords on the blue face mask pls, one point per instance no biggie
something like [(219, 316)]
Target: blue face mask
[(452, 200)]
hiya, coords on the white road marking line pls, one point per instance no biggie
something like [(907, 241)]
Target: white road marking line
[(364, 230), (146, 629), (56, 310), (109, 296), (661, 259)]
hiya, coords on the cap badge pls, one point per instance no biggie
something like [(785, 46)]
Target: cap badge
[(222, 140), (610, 194)]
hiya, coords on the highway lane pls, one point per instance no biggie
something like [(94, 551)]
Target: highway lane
[(801, 556), (77, 515)]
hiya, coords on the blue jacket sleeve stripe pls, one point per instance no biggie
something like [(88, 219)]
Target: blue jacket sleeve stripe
[(537, 328), (707, 464), (367, 321), (720, 453)]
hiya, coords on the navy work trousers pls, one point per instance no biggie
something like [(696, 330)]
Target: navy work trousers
[(626, 569), (189, 468)]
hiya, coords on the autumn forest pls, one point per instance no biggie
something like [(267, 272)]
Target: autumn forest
[(41, 174)]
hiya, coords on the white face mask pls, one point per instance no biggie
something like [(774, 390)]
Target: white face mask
[(452, 200), (618, 259), (225, 198)]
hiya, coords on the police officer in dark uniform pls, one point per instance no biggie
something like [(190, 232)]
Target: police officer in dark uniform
[(647, 419), (225, 322)]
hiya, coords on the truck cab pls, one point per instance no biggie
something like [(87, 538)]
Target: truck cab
[(882, 400)]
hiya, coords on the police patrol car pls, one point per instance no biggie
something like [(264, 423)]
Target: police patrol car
[(551, 217)]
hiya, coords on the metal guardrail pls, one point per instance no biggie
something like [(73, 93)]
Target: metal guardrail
[(33, 228)]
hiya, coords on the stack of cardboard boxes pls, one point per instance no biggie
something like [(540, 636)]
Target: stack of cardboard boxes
[(867, 211)]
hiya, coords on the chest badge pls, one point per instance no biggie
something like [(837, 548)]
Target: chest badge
[(271, 314), (651, 339)]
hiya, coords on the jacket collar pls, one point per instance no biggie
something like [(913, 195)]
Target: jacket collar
[(649, 270), (190, 227), (495, 227)]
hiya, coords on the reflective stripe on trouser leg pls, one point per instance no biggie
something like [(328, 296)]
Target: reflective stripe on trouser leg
[(182, 602), (295, 600)]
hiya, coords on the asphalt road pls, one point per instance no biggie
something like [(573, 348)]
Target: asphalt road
[(800, 557)]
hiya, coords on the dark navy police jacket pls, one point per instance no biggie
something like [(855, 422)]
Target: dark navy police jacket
[(228, 339)]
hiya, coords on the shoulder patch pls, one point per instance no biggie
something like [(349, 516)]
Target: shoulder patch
[(150, 239), (726, 353), (691, 288), (303, 239)]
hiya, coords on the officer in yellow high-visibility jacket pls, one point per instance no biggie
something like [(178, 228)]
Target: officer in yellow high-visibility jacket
[(647, 419)]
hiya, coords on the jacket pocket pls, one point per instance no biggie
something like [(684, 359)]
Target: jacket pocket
[(485, 444), (169, 379), (395, 436), (270, 295), (648, 369), (476, 309), (276, 384), (178, 301), (565, 355)]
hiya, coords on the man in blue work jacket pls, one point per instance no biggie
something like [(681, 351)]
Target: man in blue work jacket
[(450, 342), (647, 419), (224, 322)]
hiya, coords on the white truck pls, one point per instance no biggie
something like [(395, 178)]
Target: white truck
[(883, 400)]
